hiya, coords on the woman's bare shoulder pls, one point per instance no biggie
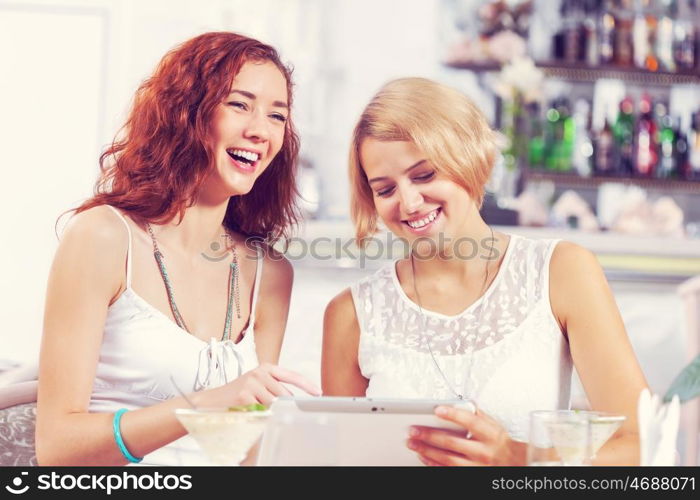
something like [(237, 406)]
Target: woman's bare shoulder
[(98, 224), (576, 282), (275, 263), (570, 259), (95, 239), (341, 308)]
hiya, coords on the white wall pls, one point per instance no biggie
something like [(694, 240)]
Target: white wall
[(69, 68), (342, 51), (51, 119)]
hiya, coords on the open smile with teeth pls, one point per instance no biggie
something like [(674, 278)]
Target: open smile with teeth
[(243, 156), (423, 221)]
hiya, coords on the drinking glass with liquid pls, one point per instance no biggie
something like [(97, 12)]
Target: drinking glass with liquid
[(559, 437)]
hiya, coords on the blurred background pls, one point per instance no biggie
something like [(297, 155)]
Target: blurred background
[(598, 103)]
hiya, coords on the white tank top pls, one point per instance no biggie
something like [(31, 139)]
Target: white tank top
[(520, 360), (142, 349)]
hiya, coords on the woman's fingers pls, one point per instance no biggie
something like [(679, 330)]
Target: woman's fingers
[(440, 438), (274, 386), (290, 377), (430, 455), (265, 397), (245, 397), (251, 389), (427, 461), (265, 384), (485, 440), (480, 425), (450, 441)]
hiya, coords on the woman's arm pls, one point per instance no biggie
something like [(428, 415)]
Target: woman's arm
[(340, 370), (87, 274), (606, 364)]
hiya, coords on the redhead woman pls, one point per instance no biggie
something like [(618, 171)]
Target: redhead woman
[(472, 313), (156, 288)]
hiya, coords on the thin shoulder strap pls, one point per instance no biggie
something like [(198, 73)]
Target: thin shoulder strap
[(256, 286), (128, 251)]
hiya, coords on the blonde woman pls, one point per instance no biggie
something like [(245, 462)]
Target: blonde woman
[(473, 313)]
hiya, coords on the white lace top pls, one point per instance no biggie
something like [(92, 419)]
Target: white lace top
[(520, 360)]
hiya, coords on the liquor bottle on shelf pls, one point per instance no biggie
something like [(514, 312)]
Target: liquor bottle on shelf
[(623, 133), (535, 145), (667, 142), (651, 62), (569, 41), (591, 54), (582, 155), (640, 36), (558, 136), (680, 150), (560, 36), (559, 142), (569, 137), (664, 41), (685, 34), (623, 37), (607, 34), (693, 171), (551, 134), (604, 151), (646, 140), (573, 27)]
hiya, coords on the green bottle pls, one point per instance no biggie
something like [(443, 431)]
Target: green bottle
[(554, 135), (667, 140), (623, 134), (535, 146), (566, 150), (560, 134)]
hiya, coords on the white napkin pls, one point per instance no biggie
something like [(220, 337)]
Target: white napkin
[(658, 428)]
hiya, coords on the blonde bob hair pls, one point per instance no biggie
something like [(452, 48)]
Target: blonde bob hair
[(441, 122)]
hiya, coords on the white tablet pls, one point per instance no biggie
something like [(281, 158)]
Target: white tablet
[(346, 430)]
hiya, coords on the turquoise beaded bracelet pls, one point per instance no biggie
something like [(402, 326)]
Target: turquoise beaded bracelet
[(116, 427)]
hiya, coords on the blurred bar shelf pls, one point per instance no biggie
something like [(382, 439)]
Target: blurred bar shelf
[(477, 67), (590, 74), (576, 181), (580, 73)]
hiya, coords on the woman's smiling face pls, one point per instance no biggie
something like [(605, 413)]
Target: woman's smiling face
[(249, 127), (411, 197)]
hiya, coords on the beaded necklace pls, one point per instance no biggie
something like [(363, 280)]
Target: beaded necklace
[(233, 289)]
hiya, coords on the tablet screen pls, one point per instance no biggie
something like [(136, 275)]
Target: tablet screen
[(335, 404), (347, 431)]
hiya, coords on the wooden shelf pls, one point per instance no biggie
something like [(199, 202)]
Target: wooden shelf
[(590, 74), (635, 76), (576, 181), (478, 67)]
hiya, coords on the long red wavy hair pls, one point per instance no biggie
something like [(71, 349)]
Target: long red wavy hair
[(155, 166)]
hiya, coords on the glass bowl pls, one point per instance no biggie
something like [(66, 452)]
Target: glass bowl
[(224, 435)]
